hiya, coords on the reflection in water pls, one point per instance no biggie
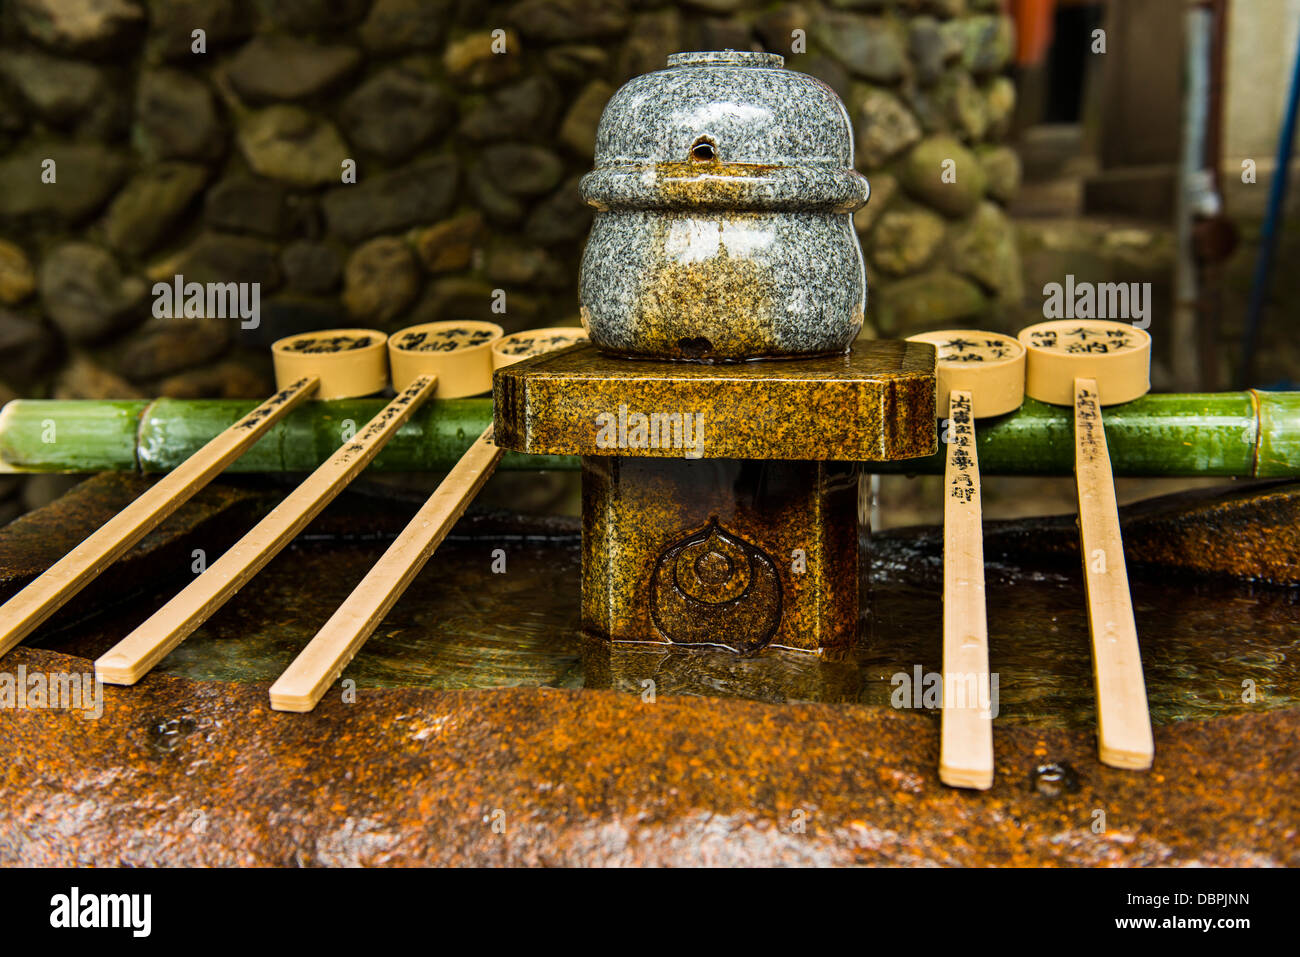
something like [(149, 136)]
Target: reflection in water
[(462, 626)]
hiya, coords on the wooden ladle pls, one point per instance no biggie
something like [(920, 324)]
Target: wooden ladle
[(980, 374), (413, 352), (1088, 364), (311, 369)]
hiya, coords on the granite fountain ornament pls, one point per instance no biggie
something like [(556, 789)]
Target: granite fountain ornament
[(724, 188), (720, 493)]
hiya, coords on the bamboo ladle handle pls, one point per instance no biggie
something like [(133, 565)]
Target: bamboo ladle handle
[(1123, 722), (439, 348), (317, 666), (966, 727)]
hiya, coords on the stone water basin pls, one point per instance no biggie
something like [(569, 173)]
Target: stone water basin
[(478, 694)]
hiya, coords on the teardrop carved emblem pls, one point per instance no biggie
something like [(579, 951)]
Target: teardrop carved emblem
[(713, 586)]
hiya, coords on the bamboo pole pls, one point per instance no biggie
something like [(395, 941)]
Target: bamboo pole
[(81, 435), (1230, 434), (152, 437)]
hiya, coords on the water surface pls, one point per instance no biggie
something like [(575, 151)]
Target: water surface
[(1206, 644)]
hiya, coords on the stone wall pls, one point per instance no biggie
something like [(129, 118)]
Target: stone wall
[(226, 163)]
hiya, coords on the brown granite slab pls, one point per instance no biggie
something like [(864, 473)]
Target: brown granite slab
[(178, 772), (740, 554), (876, 403), (182, 771)]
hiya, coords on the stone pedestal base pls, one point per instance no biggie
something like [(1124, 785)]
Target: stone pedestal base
[(656, 669), (739, 553), (720, 501)]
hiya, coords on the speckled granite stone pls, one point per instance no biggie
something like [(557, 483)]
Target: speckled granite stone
[(875, 404), (724, 188), (737, 554)]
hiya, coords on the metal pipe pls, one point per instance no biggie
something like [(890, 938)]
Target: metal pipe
[(1196, 194), (1268, 236)]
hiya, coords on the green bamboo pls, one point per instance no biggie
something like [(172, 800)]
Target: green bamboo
[(1279, 434), (1174, 434), (1242, 434), (70, 435), (153, 437), (436, 436)]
